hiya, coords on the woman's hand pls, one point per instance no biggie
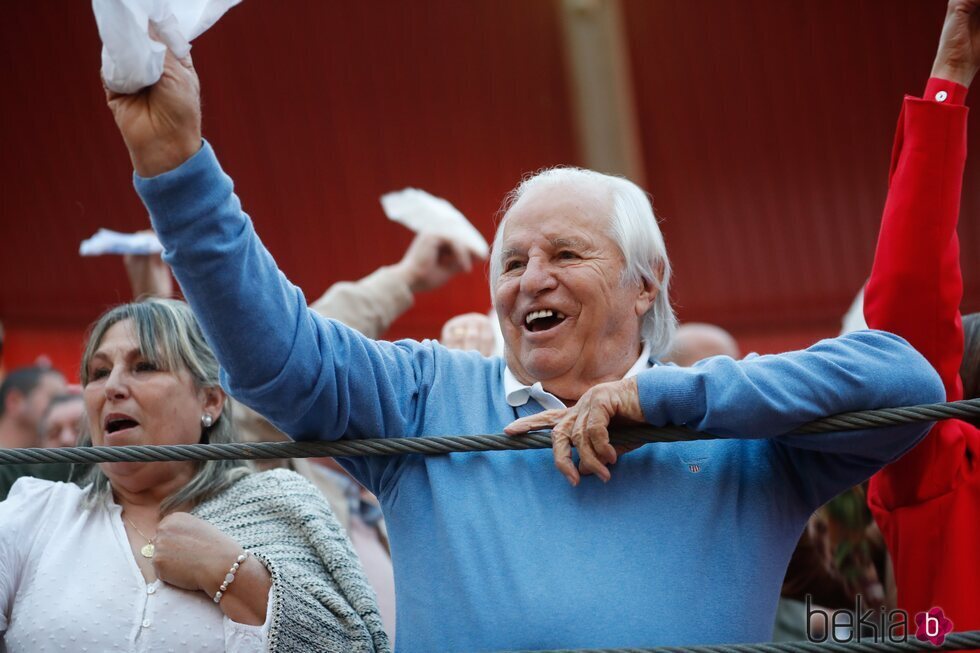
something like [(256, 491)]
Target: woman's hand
[(586, 426), (191, 553), (194, 555), (161, 124)]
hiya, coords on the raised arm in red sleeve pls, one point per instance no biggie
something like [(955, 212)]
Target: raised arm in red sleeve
[(927, 504), (916, 285)]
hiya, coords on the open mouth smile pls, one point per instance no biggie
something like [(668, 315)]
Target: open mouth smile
[(543, 320)]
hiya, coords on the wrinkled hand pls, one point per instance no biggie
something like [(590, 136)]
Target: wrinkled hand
[(469, 331), (191, 553), (958, 56), (432, 260), (586, 426), (161, 124)]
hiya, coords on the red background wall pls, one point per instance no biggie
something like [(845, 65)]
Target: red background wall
[(766, 127)]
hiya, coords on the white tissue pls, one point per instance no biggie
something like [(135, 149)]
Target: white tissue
[(106, 241), (424, 213), (131, 60)]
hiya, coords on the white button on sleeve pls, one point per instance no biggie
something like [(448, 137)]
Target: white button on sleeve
[(941, 96)]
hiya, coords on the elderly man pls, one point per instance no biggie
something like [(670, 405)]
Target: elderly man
[(685, 543)]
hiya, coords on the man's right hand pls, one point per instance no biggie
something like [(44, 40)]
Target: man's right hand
[(161, 124), (958, 56)]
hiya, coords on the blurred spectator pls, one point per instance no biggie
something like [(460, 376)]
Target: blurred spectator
[(24, 397), (474, 331), (62, 420), (696, 341)]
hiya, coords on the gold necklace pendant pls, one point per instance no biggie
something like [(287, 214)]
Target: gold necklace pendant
[(147, 550)]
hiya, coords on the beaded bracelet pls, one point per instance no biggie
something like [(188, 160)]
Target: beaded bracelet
[(230, 577)]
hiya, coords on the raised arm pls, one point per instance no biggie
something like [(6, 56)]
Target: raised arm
[(916, 285), (313, 378), (371, 304)]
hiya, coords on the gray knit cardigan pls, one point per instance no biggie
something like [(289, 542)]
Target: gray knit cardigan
[(321, 600)]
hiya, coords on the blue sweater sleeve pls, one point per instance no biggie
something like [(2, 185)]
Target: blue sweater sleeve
[(769, 396), (312, 377)]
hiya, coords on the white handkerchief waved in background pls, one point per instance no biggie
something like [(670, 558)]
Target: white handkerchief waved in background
[(131, 60), (424, 213), (107, 241)]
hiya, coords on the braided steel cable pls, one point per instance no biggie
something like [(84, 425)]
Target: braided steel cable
[(965, 640), (434, 446)]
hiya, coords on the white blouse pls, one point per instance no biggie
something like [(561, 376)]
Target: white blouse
[(69, 582)]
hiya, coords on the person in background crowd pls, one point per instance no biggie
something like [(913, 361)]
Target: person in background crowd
[(181, 555), (62, 421), (695, 341), (495, 550), (25, 395), (928, 502), (472, 331)]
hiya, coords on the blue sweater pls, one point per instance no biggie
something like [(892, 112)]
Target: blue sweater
[(495, 550)]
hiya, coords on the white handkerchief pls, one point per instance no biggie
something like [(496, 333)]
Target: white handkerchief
[(107, 241), (131, 59), (424, 213)]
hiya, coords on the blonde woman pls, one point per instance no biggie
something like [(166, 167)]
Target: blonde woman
[(157, 556)]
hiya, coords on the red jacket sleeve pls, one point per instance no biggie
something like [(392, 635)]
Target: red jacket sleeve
[(916, 284)]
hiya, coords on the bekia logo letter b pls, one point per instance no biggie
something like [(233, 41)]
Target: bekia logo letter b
[(932, 626)]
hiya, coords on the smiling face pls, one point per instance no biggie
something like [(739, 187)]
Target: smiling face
[(568, 319), (130, 400)]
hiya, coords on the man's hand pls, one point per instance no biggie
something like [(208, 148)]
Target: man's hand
[(958, 56), (161, 124), (469, 331), (586, 426), (433, 260)]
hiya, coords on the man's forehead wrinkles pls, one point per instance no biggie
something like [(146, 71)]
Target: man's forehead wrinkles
[(571, 242)]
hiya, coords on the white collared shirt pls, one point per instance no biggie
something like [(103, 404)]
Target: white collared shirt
[(518, 394)]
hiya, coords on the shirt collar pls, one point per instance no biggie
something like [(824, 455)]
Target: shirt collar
[(518, 394)]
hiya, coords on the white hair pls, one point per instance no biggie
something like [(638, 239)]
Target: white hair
[(632, 226)]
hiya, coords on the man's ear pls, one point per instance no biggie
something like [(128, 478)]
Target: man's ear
[(14, 402), (648, 293)]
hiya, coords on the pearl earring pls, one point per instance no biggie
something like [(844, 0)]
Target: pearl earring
[(206, 420)]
